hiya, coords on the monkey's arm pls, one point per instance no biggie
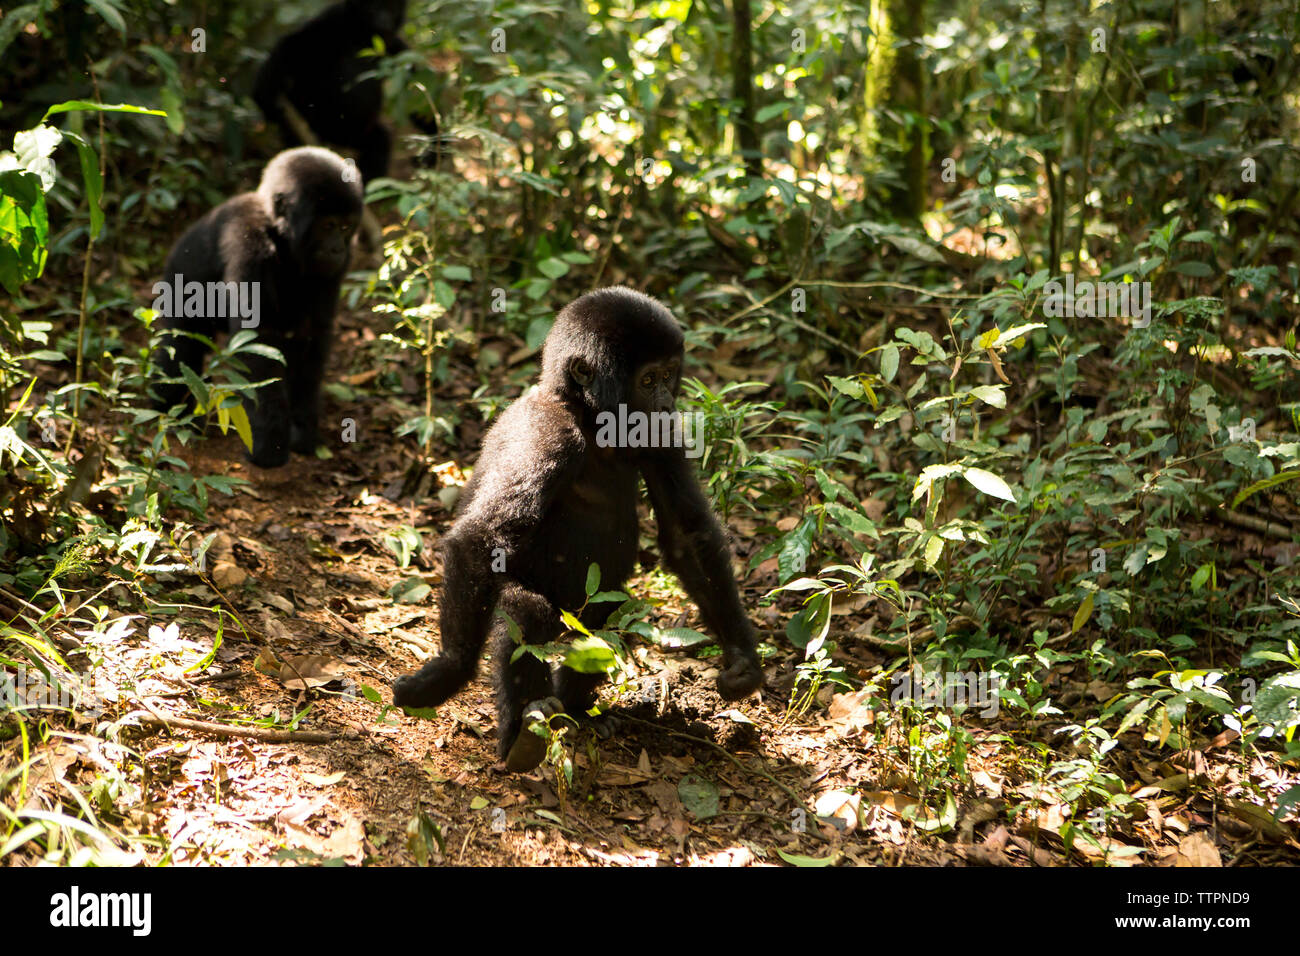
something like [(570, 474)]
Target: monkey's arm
[(268, 93), (695, 549)]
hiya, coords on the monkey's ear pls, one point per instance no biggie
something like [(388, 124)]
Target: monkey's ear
[(281, 203), (580, 371)]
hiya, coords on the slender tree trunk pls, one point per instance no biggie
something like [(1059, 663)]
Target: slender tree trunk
[(907, 91), (742, 86)]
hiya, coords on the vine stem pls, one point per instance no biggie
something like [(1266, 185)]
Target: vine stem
[(85, 289)]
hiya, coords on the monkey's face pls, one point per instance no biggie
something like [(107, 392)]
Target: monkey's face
[(328, 244), (654, 385), (322, 243)]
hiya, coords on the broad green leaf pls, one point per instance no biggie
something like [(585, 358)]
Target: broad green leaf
[(699, 796), (590, 655), (990, 395), (553, 268), (1277, 698), (855, 522), (795, 859), (988, 483), (847, 386), (411, 590), (1284, 803), (1083, 613), (239, 418), (930, 474), (933, 551), (678, 637), (889, 362)]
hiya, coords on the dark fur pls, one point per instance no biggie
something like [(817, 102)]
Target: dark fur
[(555, 502), (292, 236), (316, 67)]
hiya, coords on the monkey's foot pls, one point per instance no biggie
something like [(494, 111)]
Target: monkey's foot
[(603, 725), (529, 748), (302, 440), (740, 679)]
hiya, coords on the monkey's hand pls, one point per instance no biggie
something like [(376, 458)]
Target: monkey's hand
[(740, 678), (432, 684)]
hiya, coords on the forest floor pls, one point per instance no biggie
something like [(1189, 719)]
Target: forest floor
[(685, 779)]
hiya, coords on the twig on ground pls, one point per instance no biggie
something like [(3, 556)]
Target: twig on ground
[(152, 718)]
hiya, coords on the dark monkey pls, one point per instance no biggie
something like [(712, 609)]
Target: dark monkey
[(284, 251), (314, 70), (546, 500)]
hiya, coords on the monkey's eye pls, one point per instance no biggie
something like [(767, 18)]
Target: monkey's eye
[(668, 375), (648, 380), (581, 372)]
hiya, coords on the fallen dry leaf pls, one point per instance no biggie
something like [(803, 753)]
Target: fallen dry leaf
[(299, 672), (1197, 849)]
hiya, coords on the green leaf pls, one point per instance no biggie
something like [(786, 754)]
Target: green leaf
[(796, 546), (917, 248), (91, 179), (855, 522), (593, 579), (923, 342), (699, 796), (197, 386), (1276, 698), (239, 418), (795, 859), (1261, 485), (409, 591), (847, 386), (72, 106), (933, 551), (1015, 332), (678, 637), (990, 395), (1083, 613), (403, 541), (811, 619), (553, 268), (423, 713), (890, 414), (930, 474), (24, 229), (1284, 803), (590, 655), (572, 623), (1136, 561), (988, 483), (110, 13), (889, 362)]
